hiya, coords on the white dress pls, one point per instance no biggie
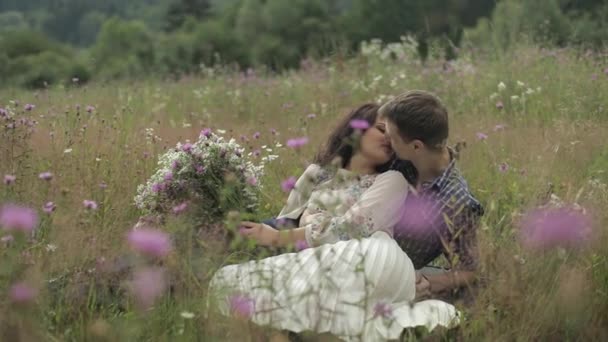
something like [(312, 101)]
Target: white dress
[(355, 282)]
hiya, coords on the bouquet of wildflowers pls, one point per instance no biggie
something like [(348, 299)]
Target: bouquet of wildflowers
[(207, 178)]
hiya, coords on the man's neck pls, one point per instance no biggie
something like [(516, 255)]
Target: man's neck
[(433, 166)]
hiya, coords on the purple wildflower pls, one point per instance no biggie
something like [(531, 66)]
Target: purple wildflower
[(256, 135), (49, 207), (168, 176), (206, 132), (89, 204), (417, 216), (175, 164), (150, 242), (481, 136), (383, 310), (103, 185), (546, 228), (242, 306), (199, 169), (257, 153), (180, 208), (301, 245), (297, 142), (22, 293), (47, 176), (18, 218), (500, 105), (158, 187), (9, 179), (503, 167), (359, 124), (289, 184), (147, 286), (28, 107), (273, 131), (187, 147), (252, 181), (90, 109)]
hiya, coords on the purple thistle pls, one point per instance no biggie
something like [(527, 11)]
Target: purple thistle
[(359, 124), (547, 228), (383, 310), (9, 179), (481, 136), (47, 176), (244, 138), (199, 169), (417, 216), (297, 142), (503, 167), (206, 132), (150, 242), (147, 286), (242, 306), (256, 135), (301, 245), (257, 153), (29, 107), (273, 131), (289, 184), (500, 105), (89, 204), (158, 187), (180, 208), (252, 181), (22, 293), (175, 165), (103, 185), (168, 176), (187, 147), (18, 218), (49, 207), (90, 109)]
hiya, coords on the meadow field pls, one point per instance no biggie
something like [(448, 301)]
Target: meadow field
[(534, 122)]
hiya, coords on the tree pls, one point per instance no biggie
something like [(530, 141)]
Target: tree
[(181, 9)]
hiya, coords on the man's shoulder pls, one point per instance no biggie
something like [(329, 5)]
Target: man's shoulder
[(457, 190)]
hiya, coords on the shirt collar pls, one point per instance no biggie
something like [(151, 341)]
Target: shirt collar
[(441, 181)]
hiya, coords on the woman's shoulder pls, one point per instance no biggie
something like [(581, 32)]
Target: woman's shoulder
[(391, 178)]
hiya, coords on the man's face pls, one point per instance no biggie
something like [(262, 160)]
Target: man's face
[(403, 150)]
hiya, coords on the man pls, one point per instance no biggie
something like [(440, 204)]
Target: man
[(417, 126)]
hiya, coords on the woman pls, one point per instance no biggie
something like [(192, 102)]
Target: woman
[(355, 282)]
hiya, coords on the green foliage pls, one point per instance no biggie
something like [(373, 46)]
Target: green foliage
[(123, 49)]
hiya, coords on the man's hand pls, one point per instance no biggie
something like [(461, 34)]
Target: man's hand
[(423, 287), (263, 234)]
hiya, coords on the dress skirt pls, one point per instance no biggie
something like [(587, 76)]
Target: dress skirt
[(357, 290)]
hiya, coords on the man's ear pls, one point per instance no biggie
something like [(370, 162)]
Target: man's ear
[(418, 145)]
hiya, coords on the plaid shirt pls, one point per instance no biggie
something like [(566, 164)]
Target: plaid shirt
[(454, 215)]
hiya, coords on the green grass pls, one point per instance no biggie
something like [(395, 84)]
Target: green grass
[(555, 139)]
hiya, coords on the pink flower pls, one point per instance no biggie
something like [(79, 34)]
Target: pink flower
[(481, 136), (503, 167), (147, 286), (180, 208), (9, 179), (417, 216), (297, 142), (206, 132), (301, 245), (175, 164), (89, 204), (48, 207), (187, 147), (158, 187), (499, 127), (547, 228), (256, 135), (359, 124), (168, 176), (90, 109), (242, 306), (22, 293), (252, 181), (383, 310), (18, 218), (273, 131), (47, 176), (500, 105), (150, 242), (289, 184), (28, 107)]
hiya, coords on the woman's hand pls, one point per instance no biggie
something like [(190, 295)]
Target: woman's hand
[(263, 234)]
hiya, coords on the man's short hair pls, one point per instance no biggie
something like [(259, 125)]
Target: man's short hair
[(419, 115)]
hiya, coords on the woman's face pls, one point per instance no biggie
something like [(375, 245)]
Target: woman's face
[(374, 144)]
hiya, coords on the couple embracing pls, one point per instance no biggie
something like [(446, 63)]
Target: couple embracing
[(373, 212)]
